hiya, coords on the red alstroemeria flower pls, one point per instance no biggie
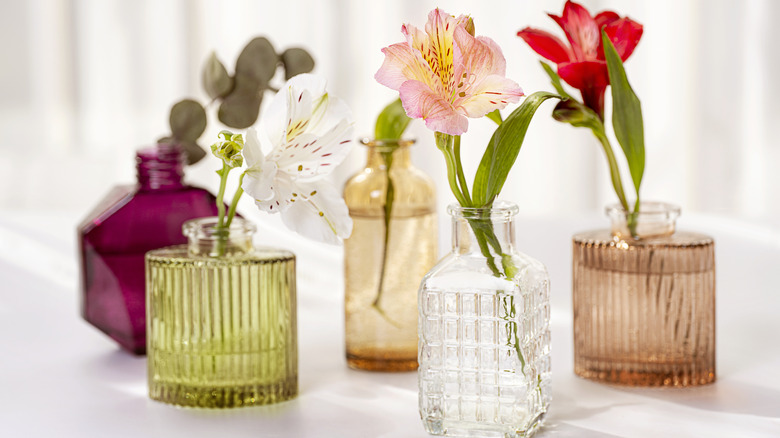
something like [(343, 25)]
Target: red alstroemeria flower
[(582, 64)]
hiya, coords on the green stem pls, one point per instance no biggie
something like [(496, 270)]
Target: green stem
[(388, 213), (234, 203), (631, 219), (223, 174), (459, 169), (444, 143), (614, 171), (482, 227)]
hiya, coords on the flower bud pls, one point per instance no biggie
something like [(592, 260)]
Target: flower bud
[(573, 112), (470, 26), (229, 150)]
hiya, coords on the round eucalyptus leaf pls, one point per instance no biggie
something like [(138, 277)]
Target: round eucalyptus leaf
[(193, 151), (258, 60), (240, 108), (188, 120), (296, 61), (216, 79)]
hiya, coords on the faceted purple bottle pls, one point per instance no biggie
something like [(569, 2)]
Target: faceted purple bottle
[(127, 223)]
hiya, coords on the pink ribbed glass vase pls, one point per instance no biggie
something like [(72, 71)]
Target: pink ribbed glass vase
[(644, 306)]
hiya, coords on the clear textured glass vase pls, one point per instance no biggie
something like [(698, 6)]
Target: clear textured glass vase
[(221, 320), (384, 264), (644, 302), (128, 222), (484, 336)]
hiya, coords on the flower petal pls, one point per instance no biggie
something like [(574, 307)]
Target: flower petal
[(605, 17), (440, 51), (328, 112), (625, 34), (402, 63), (439, 115), (259, 181), (580, 29), (311, 156), (491, 93), (253, 154), (481, 55), (546, 44), (581, 75), (319, 213), (259, 175), (291, 107), (282, 191)]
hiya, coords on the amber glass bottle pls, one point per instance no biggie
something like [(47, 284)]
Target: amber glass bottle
[(644, 305), (386, 257)]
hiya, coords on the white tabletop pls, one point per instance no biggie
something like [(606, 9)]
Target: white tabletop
[(63, 378)]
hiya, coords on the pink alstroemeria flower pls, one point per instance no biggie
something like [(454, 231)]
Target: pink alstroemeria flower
[(445, 74), (582, 64)]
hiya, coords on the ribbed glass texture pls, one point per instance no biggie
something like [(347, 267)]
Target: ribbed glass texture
[(222, 329), (644, 309), (484, 338), (382, 273)]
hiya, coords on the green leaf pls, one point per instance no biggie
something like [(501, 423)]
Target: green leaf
[(391, 122), (626, 114), (216, 80), (556, 80), (503, 148), (258, 60), (187, 120), (296, 61), (240, 108), (193, 151), (495, 116)]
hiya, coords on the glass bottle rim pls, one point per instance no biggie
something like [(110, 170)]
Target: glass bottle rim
[(501, 210), (206, 228), (387, 143), (162, 151), (649, 211)]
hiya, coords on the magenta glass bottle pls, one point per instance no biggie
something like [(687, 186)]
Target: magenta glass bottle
[(128, 222)]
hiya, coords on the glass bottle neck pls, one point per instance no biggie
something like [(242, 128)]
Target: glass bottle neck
[(495, 226), (380, 150), (205, 239), (654, 219), (160, 167)]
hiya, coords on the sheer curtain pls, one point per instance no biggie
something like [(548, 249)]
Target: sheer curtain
[(86, 82)]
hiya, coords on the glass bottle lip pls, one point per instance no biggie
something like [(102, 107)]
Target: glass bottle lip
[(160, 166), (205, 228), (654, 219), (652, 211), (501, 210), (164, 151), (387, 143)]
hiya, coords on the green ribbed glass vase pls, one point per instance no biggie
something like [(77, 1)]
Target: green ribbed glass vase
[(221, 320)]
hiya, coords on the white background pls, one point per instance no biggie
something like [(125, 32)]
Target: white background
[(85, 82)]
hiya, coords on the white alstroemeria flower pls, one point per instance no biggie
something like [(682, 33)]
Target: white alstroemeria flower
[(309, 133)]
